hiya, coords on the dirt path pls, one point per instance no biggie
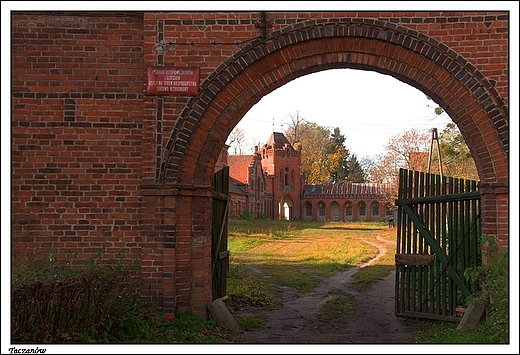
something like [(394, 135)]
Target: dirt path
[(372, 322)]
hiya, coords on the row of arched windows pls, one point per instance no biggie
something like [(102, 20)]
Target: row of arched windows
[(362, 206), (350, 210)]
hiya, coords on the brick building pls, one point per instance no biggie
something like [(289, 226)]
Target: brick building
[(99, 162), (268, 184), (345, 201)]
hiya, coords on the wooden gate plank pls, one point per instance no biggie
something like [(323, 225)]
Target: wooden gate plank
[(437, 239), (414, 259), (219, 252), (440, 254)]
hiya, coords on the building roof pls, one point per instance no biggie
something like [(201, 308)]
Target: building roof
[(279, 139), (344, 188), (236, 187), (238, 167)]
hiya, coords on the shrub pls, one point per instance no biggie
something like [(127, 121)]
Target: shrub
[(494, 276), (53, 302)]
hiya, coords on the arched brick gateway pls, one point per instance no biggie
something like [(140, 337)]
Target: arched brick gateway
[(460, 59), (470, 99)]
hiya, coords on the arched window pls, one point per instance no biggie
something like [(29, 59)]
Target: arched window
[(362, 208), (334, 211), (348, 208), (321, 209), (375, 208), (308, 209)]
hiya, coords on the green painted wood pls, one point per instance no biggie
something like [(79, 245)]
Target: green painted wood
[(440, 216)]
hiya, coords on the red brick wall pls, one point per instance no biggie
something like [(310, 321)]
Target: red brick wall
[(76, 133), (98, 163)]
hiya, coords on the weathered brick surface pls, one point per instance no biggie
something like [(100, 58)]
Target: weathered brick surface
[(98, 163)]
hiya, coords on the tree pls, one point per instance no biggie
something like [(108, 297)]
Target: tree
[(343, 165), (456, 157), (296, 128), (408, 150), (314, 142), (355, 170), (236, 140), (368, 164), (325, 159), (336, 156), (437, 109)]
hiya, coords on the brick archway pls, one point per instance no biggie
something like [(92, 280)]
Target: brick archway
[(411, 57), (97, 161), (285, 208)]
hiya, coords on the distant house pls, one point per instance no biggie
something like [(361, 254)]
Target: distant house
[(268, 184), (248, 186)]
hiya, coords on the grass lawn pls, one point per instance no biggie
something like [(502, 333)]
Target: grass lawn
[(298, 254)]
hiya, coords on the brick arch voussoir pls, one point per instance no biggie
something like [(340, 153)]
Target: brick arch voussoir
[(375, 45)]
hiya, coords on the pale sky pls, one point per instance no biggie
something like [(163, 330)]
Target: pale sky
[(368, 107)]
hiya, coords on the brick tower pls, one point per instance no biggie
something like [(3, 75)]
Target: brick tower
[(281, 165)]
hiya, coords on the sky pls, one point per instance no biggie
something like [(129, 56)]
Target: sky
[(368, 108)]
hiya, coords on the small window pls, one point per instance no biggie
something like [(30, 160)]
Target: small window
[(362, 208), (375, 208), (348, 208), (321, 209), (308, 209)]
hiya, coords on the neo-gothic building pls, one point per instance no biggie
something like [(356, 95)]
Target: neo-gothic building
[(268, 184)]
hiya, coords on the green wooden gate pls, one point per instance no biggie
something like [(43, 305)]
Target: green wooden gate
[(438, 232), (219, 238)]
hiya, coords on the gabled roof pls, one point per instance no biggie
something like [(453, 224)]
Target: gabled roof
[(235, 187), (238, 167)]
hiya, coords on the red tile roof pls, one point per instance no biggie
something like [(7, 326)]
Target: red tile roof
[(238, 166)]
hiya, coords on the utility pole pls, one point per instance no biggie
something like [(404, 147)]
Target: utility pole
[(435, 138)]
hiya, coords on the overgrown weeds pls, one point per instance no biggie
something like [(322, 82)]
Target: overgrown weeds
[(245, 287), (494, 329), (53, 302), (494, 276), (98, 302)]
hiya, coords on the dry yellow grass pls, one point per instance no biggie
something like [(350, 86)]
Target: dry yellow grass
[(298, 253)]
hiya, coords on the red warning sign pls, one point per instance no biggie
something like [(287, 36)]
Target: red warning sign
[(172, 81)]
